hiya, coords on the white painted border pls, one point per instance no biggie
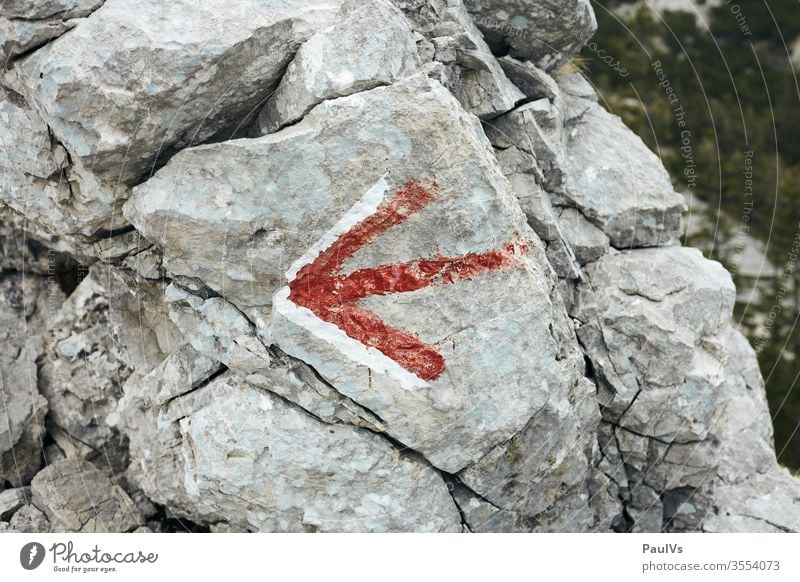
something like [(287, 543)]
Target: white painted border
[(350, 347), (362, 209), (305, 318)]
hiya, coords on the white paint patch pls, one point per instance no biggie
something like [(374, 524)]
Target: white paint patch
[(351, 348), (362, 209)]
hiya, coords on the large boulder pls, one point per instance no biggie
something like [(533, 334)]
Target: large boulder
[(618, 183), (225, 451), (163, 86), (547, 32), (335, 169), (76, 497)]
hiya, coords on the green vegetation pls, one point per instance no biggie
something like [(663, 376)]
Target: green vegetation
[(720, 104)]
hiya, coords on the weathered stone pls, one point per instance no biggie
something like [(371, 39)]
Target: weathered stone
[(216, 329), (473, 74), (280, 375), (761, 503), (536, 478), (23, 310), (40, 182), (82, 375), (11, 500), (653, 324), (574, 84), (531, 80), (241, 464), (223, 60), (470, 409), (521, 129), (370, 45), (619, 184), (76, 497), (26, 25), (522, 172), (588, 242), (547, 32), (140, 321), (29, 519)]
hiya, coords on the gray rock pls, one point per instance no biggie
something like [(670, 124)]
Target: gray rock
[(653, 323), (761, 503), (525, 177), (157, 462), (11, 500), (26, 25), (480, 515), (220, 60), (82, 375), (370, 45), (540, 474), (251, 459), (43, 9), (547, 32), (473, 190), (140, 321), (619, 184), (23, 309), (471, 72), (588, 242), (76, 497), (40, 182), (28, 519), (216, 329), (521, 129), (531, 80), (574, 84), (28, 249)]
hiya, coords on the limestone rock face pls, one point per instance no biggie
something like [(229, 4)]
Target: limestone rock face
[(242, 455), (632, 202), (546, 32), (25, 25), (163, 86), (454, 420), (353, 266), (23, 307), (77, 497), (370, 45)]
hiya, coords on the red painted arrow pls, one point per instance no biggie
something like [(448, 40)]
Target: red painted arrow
[(320, 287)]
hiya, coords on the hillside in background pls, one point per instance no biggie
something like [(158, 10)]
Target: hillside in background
[(712, 88)]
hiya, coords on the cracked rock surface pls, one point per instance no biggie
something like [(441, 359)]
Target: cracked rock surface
[(351, 266)]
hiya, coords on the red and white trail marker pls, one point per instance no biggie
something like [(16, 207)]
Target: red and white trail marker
[(323, 300)]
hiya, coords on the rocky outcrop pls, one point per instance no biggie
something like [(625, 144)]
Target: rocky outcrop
[(355, 266), (545, 32), (23, 311)]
